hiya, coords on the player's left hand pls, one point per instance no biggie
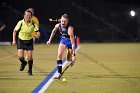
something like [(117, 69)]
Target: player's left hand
[(73, 58), (37, 35)]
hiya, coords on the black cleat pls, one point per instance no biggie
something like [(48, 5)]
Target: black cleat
[(29, 73), (22, 66)]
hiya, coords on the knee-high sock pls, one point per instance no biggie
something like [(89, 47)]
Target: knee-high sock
[(59, 66), (30, 63), (22, 60)]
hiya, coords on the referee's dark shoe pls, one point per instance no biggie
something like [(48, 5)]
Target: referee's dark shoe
[(29, 73), (22, 66)]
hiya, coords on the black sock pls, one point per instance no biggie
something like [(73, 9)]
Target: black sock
[(30, 63), (22, 60), (59, 66)]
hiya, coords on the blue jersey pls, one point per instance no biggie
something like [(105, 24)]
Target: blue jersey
[(64, 33), (65, 38)]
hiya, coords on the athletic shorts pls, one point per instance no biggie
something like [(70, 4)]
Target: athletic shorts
[(66, 42), (25, 44)]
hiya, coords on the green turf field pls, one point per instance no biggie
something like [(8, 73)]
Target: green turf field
[(99, 68)]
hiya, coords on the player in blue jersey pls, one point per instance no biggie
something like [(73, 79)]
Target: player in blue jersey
[(66, 41)]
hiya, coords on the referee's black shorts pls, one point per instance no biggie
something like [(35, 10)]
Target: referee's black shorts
[(25, 44)]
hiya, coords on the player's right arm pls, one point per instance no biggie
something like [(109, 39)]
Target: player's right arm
[(14, 37), (18, 26), (52, 34)]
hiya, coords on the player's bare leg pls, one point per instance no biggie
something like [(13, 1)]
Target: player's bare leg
[(26, 56), (21, 58), (61, 50), (69, 57)]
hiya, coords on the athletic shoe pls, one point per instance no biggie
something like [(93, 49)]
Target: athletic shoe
[(22, 66), (57, 76), (29, 73)]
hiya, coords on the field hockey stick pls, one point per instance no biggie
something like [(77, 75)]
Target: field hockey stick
[(65, 70)]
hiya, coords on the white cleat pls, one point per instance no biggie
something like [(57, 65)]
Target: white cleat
[(57, 76)]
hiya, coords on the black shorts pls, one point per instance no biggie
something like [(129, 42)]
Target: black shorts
[(25, 44)]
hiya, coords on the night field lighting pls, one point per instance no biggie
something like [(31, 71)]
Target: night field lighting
[(132, 13)]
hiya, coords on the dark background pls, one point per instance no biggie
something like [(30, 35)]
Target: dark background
[(93, 20)]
